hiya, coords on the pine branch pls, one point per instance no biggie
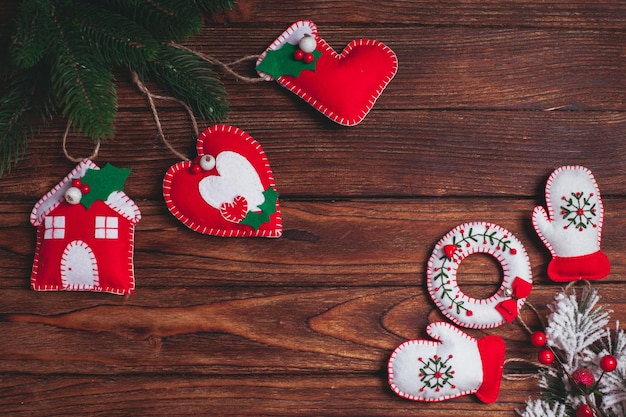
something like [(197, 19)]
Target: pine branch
[(70, 48), (213, 6), (14, 129), (165, 19), (575, 325), (30, 42), (121, 40), (540, 408), (188, 78), (81, 83)]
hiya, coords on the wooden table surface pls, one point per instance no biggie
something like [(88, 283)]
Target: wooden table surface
[(490, 97)]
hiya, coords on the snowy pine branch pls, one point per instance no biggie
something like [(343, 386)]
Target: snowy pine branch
[(575, 325)]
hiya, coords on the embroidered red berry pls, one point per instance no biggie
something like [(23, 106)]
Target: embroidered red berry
[(545, 357), (449, 250), (583, 376), (538, 339), (608, 363), (583, 410)]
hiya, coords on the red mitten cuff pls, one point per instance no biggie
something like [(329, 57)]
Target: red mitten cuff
[(594, 266), (492, 351)]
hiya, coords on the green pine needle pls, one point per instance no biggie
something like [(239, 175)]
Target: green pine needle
[(121, 40), (30, 41), (165, 19), (212, 6), (189, 78), (81, 83), (15, 130)]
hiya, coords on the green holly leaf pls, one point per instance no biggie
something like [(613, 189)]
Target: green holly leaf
[(281, 62), (268, 207), (102, 182)]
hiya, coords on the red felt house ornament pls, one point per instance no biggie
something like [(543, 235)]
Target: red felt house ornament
[(85, 233)]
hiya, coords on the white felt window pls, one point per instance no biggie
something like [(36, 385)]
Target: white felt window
[(106, 227), (54, 227)]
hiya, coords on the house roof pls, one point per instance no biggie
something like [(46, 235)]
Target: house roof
[(118, 201)]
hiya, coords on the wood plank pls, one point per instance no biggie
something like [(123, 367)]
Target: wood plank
[(535, 13), (353, 243), (391, 154), (231, 396), (314, 331), (442, 68), (587, 14)]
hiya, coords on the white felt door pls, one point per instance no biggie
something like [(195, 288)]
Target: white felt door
[(79, 269)]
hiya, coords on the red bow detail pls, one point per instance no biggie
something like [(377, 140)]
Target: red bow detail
[(508, 308)]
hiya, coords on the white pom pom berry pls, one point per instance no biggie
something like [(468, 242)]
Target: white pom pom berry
[(73, 195), (308, 44), (207, 162)]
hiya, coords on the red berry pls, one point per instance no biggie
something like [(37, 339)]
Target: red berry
[(85, 188), (546, 357), (77, 182), (583, 410), (298, 55), (538, 339), (308, 58), (195, 169), (583, 376), (608, 363)]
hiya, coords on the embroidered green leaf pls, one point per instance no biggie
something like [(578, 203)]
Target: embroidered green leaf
[(102, 182), (268, 207), (281, 62)]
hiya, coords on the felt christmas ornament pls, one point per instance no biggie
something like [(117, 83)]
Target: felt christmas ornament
[(463, 241), (85, 233), (344, 87), (571, 228), (452, 365), (228, 190)]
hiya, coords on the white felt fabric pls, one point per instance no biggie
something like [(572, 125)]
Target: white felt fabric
[(561, 237), (406, 367), (237, 177)]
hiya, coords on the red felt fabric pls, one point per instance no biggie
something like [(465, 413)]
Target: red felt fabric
[(345, 86), (185, 202), (113, 256), (588, 267), (492, 352)]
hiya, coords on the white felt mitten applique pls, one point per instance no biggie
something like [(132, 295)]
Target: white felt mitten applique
[(452, 365), (572, 226)]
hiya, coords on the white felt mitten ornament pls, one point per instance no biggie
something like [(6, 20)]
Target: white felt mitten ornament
[(572, 226), (452, 365)]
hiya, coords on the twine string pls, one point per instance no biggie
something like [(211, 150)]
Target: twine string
[(227, 67), (64, 146), (155, 114)]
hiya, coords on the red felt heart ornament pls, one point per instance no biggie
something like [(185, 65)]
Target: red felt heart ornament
[(345, 86), (233, 196)]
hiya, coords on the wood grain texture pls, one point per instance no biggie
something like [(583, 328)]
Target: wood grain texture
[(489, 98)]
